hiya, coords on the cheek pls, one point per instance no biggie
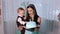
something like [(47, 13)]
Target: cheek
[(29, 12), (22, 12), (32, 12)]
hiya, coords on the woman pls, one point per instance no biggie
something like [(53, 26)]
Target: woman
[(32, 14)]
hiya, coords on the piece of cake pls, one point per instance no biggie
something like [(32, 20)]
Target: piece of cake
[(30, 24)]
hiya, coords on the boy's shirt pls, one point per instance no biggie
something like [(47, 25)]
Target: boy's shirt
[(20, 21)]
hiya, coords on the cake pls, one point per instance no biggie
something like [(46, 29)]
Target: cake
[(30, 24)]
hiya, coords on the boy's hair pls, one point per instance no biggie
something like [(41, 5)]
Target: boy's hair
[(19, 9)]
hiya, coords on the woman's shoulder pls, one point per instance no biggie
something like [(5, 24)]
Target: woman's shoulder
[(39, 17)]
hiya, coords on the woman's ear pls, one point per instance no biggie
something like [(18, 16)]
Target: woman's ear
[(39, 20)]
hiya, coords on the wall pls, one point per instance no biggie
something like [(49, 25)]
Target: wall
[(9, 14)]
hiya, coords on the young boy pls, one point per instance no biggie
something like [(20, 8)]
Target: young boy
[(20, 20)]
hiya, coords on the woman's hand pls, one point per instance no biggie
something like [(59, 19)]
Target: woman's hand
[(20, 27), (25, 18)]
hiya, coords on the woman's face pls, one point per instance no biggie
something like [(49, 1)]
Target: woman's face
[(30, 11)]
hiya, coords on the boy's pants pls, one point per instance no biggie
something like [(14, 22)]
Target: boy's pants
[(23, 31)]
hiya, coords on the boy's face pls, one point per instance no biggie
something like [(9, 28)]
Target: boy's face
[(21, 12)]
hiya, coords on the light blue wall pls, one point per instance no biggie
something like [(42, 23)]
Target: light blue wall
[(46, 9)]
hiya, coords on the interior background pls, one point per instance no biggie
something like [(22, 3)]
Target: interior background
[(46, 9)]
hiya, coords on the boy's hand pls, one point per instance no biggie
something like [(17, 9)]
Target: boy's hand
[(20, 27)]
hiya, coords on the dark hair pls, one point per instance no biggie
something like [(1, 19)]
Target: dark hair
[(35, 12), (19, 9)]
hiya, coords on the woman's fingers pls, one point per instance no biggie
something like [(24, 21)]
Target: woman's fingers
[(20, 27)]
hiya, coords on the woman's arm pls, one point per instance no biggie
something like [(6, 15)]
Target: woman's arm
[(39, 20), (38, 25)]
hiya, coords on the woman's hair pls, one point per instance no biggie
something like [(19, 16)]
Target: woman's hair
[(20, 8), (34, 10)]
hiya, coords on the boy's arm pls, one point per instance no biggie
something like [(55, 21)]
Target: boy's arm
[(20, 21)]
